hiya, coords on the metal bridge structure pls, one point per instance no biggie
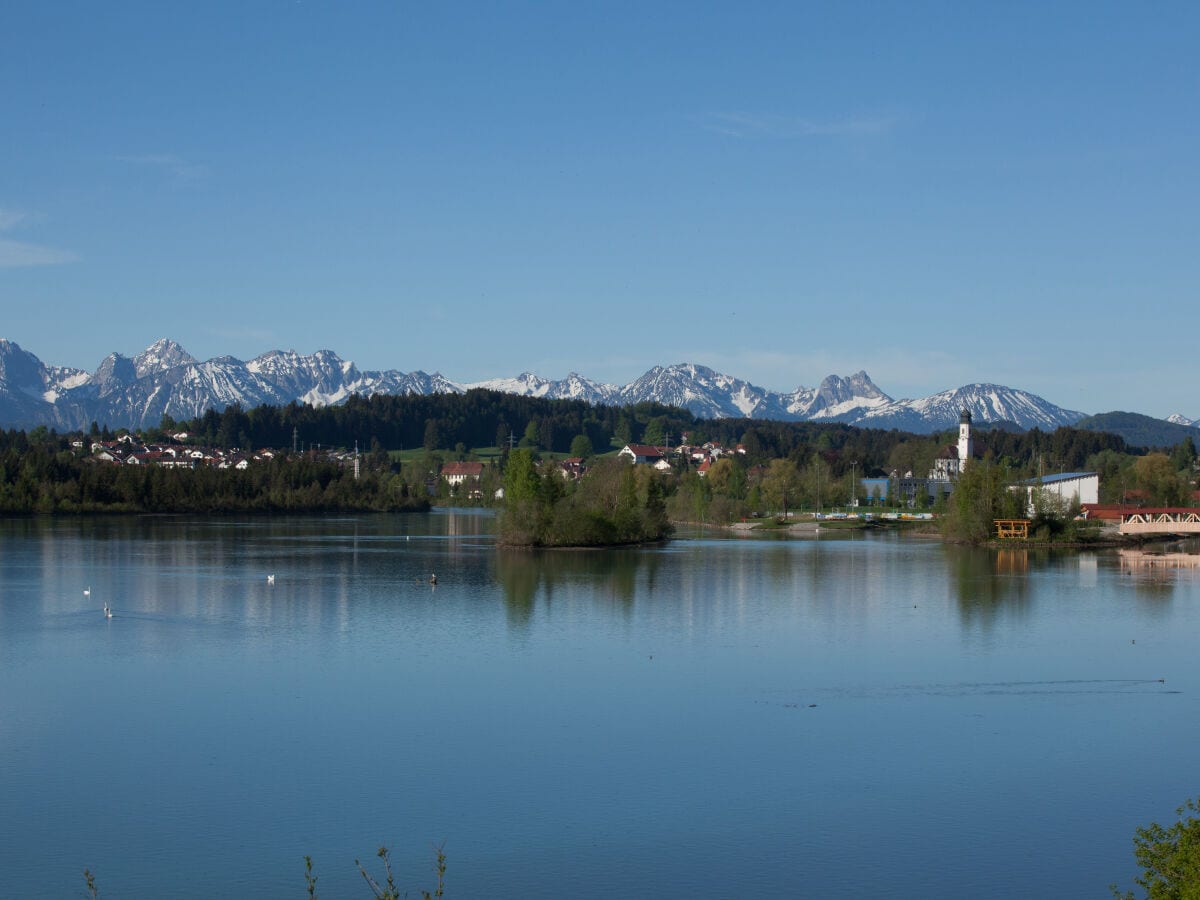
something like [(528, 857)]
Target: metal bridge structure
[(1165, 520)]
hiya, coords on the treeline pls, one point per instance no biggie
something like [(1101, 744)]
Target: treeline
[(44, 477), (477, 418)]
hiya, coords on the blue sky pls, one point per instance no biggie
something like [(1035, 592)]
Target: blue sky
[(936, 193)]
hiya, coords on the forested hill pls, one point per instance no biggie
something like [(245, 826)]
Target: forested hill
[(1139, 430)]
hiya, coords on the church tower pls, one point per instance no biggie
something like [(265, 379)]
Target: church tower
[(966, 447)]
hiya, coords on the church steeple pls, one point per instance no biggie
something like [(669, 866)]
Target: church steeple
[(966, 447)]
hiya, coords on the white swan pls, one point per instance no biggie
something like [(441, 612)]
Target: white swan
[(107, 610), (87, 591), (270, 579)]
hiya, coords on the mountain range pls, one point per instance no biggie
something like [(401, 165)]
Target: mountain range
[(165, 379)]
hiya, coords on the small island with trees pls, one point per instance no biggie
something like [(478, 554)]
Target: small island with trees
[(614, 503)]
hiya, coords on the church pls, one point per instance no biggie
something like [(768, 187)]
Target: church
[(950, 463)]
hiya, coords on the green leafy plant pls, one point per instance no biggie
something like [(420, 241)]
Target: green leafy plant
[(1169, 857)]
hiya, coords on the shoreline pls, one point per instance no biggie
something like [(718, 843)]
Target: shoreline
[(914, 530)]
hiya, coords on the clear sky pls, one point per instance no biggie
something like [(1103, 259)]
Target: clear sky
[(936, 193)]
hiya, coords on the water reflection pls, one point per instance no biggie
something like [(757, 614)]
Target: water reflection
[(616, 573), (1153, 573), (1142, 561), (990, 583)]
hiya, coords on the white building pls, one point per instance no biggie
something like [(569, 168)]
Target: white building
[(645, 455), (954, 457), (1064, 489)]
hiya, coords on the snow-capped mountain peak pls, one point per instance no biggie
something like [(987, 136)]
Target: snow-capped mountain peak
[(166, 380), (163, 354)]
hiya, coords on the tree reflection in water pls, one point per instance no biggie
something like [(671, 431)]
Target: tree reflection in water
[(522, 573), (989, 583)]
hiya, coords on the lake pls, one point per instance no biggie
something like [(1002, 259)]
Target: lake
[(719, 716)]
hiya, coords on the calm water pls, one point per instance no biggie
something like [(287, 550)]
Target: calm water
[(717, 717)]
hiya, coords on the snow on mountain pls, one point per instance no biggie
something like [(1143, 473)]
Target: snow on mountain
[(704, 392), (160, 356), (166, 380), (985, 402), (23, 387), (321, 379), (573, 387), (526, 385), (837, 398), (1178, 419), (576, 387), (420, 383), (60, 379)]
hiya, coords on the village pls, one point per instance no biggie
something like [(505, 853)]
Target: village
[(132, 450)]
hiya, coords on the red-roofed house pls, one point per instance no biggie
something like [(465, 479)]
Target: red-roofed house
[(456, 473)]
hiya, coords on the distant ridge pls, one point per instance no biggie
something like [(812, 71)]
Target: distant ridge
[(166, 380), (1139, 430)]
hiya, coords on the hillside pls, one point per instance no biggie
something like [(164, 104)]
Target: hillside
[(1139, 430)]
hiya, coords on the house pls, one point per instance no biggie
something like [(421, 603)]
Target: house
[(946, 465), (1066, 489), (644, 454), (456, 473), (572, 468), (144, 458)]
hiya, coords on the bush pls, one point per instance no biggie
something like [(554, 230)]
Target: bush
[(1169, 857)]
